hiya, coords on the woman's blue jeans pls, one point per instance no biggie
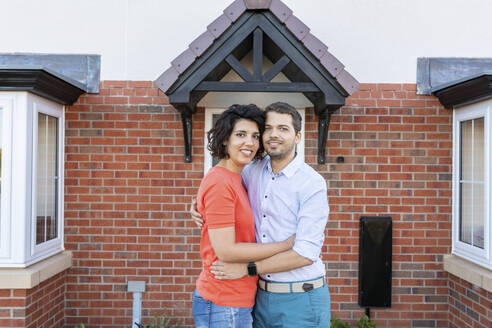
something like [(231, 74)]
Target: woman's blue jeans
[(207, 314)]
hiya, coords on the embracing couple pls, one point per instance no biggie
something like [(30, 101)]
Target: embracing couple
[(263, 221)]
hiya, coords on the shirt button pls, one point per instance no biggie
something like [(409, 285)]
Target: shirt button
[(266, 196), (264, 215), (264, 236), (268, 276), (273, 178)]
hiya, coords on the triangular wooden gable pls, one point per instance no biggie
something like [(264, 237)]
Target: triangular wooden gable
[(269, 31)]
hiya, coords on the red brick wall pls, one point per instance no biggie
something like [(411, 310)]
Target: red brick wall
[(40, 307), (127, 193), (397, 149), (469, 305)]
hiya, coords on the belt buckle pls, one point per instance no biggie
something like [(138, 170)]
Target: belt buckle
[(307, 287)]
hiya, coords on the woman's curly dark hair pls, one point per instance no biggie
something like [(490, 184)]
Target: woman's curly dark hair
[(222, 129)]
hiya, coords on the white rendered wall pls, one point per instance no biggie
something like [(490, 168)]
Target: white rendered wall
[(377, 40)]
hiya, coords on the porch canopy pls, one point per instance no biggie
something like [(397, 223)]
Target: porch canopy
[(267, 29)]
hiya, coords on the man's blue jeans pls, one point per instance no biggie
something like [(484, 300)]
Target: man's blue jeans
[(207, 314)]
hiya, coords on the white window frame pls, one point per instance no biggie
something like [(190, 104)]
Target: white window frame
[(7, 106), (57, 243), (19, 169), (469, 252), (209, 112)]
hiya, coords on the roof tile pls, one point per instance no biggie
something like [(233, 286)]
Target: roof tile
[(235, 9), (314, 45), (167, 79), (348, 82), (200, 44), (280, 10), (183, 61), (298, 28), (257, 4), (218, 26), (332, 65)]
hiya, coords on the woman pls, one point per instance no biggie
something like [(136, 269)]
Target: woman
[(228, 232)]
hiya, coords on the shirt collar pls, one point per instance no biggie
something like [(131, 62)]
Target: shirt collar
[(289, 170)]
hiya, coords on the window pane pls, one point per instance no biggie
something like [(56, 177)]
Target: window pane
[(466, 150), (478, 215), (478, 149), (466, 213), (46, 215), (472, 206), (1, 131), (52, 176)]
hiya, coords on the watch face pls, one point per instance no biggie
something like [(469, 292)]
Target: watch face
[(252, 269)]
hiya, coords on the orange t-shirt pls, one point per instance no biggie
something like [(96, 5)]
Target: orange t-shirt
[(223, 202)]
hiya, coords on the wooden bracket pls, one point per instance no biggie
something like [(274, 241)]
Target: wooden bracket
[(187, 134), (323, 124), (186, 118)]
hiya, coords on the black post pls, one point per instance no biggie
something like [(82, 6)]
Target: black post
[(187, 134), (323, 123)]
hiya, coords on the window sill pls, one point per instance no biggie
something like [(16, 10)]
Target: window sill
[(471, 272), (33, 275)]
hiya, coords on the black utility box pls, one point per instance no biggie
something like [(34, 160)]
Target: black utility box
[(375, 242)]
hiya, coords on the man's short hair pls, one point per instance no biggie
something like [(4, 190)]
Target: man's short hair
[(284, 108), (222, 129)]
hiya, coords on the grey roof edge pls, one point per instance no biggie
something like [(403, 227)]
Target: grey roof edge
[(40, 81), (81, 70), (465, 91), (168, 78), (67, 79), (437, 72), (465, 79)]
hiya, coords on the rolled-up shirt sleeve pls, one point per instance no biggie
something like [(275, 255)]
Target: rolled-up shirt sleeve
[(312, 219)]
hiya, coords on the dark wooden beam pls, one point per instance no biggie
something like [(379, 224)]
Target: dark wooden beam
[(186, 116), (307, 62), (257, 54), (323, 124), (277, 68), (323, 111), (239, 68), (257, 86), (187, 134), (212, 57), (201, 69)]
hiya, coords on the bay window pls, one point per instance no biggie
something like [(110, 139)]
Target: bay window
[(31, 178), (471, 183)]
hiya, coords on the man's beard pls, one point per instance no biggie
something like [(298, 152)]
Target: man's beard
[(283, 154)]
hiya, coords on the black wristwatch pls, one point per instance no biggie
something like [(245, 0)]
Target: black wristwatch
[(252, 269)]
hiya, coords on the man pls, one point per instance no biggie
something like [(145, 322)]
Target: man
[(287, 197)]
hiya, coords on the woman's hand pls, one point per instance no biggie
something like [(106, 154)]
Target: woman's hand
[(228, 271), (195, 216)]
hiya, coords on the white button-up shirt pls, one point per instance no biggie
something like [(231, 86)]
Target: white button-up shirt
[(293, 201)]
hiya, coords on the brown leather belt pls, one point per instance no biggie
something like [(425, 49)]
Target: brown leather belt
[(291, 287)]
